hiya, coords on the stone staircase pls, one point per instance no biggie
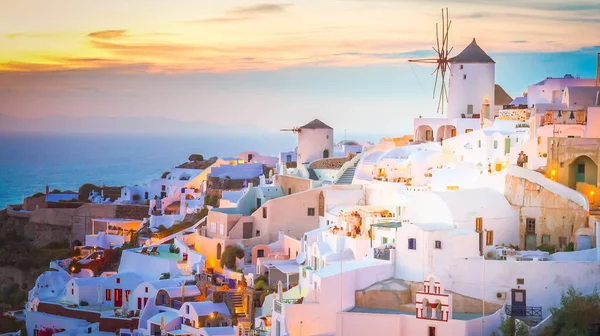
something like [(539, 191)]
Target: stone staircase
[(595, 212), (243, 328), (348, 175), (236, 300)]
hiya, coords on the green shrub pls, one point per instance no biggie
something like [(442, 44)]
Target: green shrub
[(570, 247), (547, 248), (261, 278), (136, 197), (229, 256), (84, 303), (260, 285), (38, 194), (164, 276)]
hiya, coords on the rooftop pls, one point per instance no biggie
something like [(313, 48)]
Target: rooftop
[(501, 97), (472, 54), (315, 124), (455, 316)]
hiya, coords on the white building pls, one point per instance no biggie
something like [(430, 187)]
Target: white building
[(315, 141), (84, 290), (147, 291)]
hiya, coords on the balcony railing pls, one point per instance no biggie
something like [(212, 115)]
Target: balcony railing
[(523, 311), (565, 118), (381, 254), (279, 303)]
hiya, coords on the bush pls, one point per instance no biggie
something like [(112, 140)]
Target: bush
[(261, 278), (575, 315), (84, 303), (260, 285), (164, 175), (547, 248), (54, 245), (570, 247), (196, 157), (161, 228), (229, 256), (38, 194), (509, 327), (136, 197), (164, 276), (212, 200)]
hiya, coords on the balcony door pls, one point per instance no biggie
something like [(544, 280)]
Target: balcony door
[(118, 297), (518, 302)]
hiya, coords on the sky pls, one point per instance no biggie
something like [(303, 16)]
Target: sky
[(271, 65)]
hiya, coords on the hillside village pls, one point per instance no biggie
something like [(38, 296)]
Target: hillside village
[(486, 213)]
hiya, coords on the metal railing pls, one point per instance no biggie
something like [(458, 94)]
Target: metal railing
[(280, 303), (523, 311), (381, 254)]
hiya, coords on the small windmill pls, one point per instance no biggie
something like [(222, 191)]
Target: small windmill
[(442, 61)]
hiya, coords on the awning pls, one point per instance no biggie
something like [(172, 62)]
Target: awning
[(287, 268)]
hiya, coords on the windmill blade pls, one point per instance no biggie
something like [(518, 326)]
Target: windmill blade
[(435, 82), (437, 36)]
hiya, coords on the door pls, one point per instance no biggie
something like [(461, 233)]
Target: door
[(139, 303), (145, 301), (518, 302), (118, 297), (530, 242), (507, 145), (584, 242), (580, 174), (453, 132)]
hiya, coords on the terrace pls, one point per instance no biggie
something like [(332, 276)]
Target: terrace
[(564, 117), (455, 316)]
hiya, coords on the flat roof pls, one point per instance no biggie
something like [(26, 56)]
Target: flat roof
[(388, 225), (455, 316)]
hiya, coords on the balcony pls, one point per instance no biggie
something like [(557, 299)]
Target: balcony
[(523, 311), (280, 303), (565, 118)]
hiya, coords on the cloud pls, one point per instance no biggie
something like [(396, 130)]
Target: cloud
[(520, 41), (108, 34), (265, 8), (33, 35)]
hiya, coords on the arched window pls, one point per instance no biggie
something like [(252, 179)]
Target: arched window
[(219, 251), (326, 154)]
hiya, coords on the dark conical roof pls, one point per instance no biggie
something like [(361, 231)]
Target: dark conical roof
[(472, 54), (501, 97), (315, 124)]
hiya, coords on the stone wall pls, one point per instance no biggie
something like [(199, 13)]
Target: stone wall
[(32, 203), (554, 214), (292, 184), (132, 211), (107, 324)]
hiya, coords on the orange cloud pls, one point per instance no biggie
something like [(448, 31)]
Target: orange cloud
[(108, 34)]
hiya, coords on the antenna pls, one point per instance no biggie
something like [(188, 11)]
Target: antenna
[(443, 64)]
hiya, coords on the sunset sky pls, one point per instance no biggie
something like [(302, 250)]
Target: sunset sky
[(272, 64)]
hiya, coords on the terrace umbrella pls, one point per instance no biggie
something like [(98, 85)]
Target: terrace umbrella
[(280, 290), (182, 292), (162, 326)]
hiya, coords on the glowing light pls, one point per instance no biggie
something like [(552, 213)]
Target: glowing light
[(592, 192), (487, 99), (553, 172), (72, 268)]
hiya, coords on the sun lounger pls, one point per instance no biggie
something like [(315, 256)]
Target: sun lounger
[(154, 251), (144, 250)]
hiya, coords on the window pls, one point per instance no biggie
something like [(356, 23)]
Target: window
[(264, 212), (431, 330), (187, 309), (258, 202), (469, 109), (464, 76), (127, 292), (438, 244), (462, 67), (581, 168), (384, 240), (72, 291), (468, 130), (479, 224), (489, 238), (213, 227), (520, 281), (479, 143), (311, 211), (108, 294), (219, 251), (289, 191), (222, 229), (495, 144), (118, 280), (258, 233), (545, 239), (562, 242), (289, 252), (412, 244), (146, 289), (530, 225)]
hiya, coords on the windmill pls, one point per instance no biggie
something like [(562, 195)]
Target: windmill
[(442, 61)]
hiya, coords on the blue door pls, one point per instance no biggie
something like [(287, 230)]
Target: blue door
[(584, 243)]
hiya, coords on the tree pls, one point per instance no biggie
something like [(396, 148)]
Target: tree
[(576, 314), (229, 256), (511, 327)]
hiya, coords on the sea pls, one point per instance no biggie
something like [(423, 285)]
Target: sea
[(30, 162)]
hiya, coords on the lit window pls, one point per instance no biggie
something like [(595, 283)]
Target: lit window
[(72, 291), (468, 130), (438, 244), (108, 295), (127, 292), (489, 238), (478, 224), (412, 244)]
